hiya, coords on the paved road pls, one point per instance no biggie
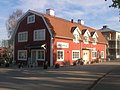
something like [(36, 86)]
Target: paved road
[(110, 81), (64, 78)]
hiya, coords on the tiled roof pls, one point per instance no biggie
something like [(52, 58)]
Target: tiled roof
[(62, 28)]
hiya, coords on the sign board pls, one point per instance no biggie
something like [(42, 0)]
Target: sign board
[(62, 45)]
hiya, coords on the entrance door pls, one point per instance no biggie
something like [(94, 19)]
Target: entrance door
[(33, 57), (86, 56)]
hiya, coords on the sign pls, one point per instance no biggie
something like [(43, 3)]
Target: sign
[(62, 45)]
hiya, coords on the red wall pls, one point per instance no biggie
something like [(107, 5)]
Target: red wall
[(76, 46), (67, 51)]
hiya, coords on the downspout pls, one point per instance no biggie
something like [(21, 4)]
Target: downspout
[(51, 51), (13, 51), (81, 48)]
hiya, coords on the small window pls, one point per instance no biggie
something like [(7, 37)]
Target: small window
[(60, 55), (95, 41), (86, 39), (22, 36), (75, 54), (39, 35), (31, 19), (94, 54), (41, 55), (76, 38), (102, 54), (22, 54)]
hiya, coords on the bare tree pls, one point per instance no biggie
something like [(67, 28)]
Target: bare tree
[(12, 21)]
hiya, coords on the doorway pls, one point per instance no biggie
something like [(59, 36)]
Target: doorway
[(86, 56)]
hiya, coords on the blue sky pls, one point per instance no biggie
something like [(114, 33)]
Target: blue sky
[(95, 13)]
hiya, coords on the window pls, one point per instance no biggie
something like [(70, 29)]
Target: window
[(94, 54), (39, 35), (118, 37), (76, 38), (75, 54), (60, 55), (31, 19), (102, 54), (41, 55), (95, 41), (22, 54), (86, 39), (22, 36)]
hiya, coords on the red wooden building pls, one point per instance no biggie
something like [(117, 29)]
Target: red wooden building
[(44, 37)]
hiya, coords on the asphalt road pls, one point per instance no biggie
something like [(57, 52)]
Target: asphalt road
[(95, 76)]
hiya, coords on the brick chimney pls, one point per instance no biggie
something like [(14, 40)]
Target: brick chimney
[(72, 20), (80, 21), (50, 12)]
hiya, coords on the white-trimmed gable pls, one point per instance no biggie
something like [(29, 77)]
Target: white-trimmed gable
[(76, 31), (87, 33), (95, 35), (76, 34)]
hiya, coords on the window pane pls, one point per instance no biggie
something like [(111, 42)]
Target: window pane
[(60, 55), (22, 54), (22, 36), (39, 34), (41, 55), (76, 55), (31, 19)]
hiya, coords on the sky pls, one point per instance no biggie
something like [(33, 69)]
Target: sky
[(95, 13)]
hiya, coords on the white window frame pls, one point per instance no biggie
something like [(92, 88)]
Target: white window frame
[(29, 18), (94, 53), (37, 55), (21, 37), (63, 55), (73, 54), (102, 54), (23, 51), (39, 39)]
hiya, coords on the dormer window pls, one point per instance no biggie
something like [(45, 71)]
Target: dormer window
[(76, 38), (94, 36), (76, 33), (86, 35), (86, 39), (30, 19), (95, 41)]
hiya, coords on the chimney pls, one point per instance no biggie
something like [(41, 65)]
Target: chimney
[(50, 12), (105, 26), (80, 21), (72, 20)]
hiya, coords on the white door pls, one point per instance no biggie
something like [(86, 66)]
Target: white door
[(86, 56)]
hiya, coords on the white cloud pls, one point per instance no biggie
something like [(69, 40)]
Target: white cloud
[(113, 19)]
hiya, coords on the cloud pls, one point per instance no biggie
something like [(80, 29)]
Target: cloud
[(113, 19), (30, 4), (94, 12)]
